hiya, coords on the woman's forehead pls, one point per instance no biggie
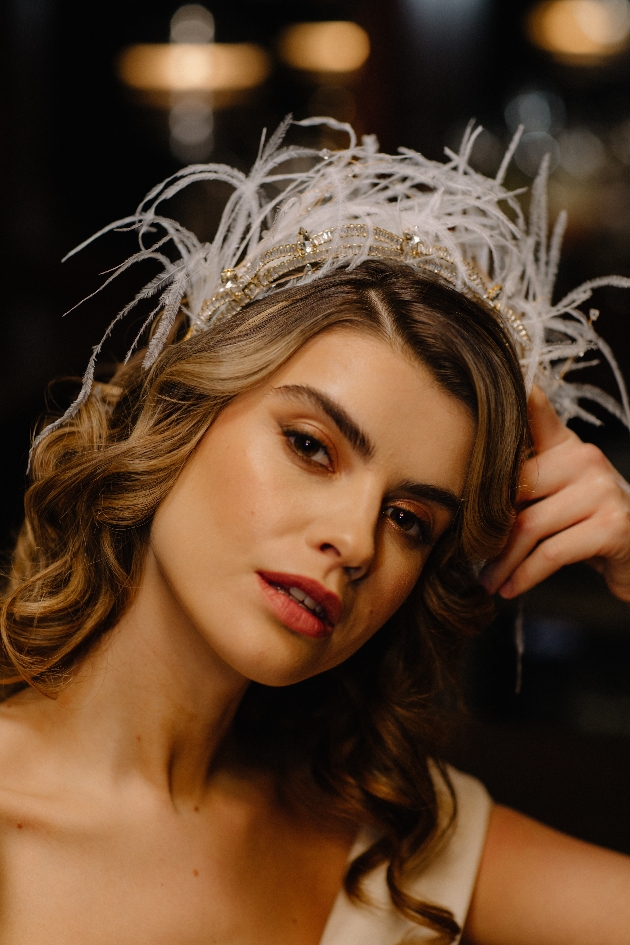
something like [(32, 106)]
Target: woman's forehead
[(367, 371)]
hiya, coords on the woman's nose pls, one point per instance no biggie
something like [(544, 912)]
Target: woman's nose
[(347, 532)]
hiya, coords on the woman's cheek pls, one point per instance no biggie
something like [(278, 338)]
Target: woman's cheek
[(394, 590)]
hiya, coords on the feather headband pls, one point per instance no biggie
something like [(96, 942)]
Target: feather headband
[(303, 212)]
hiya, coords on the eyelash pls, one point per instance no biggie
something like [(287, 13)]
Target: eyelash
[(422, 528), (423, 532), (293, 436)]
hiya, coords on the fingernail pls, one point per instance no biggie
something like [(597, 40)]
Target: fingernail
[(507, 590)]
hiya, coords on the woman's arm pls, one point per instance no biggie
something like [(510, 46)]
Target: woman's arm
[(574, 506), (537, 886)]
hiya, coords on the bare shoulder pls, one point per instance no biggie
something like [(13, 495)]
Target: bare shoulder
[(27, 769), (41, 816), (537, 886)]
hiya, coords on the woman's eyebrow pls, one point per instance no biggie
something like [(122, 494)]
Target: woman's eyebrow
[(423, 490), (358, 439)]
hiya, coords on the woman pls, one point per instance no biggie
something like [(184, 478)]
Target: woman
[(244, 577)]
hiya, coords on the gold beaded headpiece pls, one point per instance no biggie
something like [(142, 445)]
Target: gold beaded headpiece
[(283, 263)]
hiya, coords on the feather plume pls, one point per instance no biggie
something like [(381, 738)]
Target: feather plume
[(446, 204)]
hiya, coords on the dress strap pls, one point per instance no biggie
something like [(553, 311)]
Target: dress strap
[(448, 880)]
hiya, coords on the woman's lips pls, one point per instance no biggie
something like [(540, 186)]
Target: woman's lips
[(301, 604)]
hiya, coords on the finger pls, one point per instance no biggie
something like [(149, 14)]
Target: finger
[(578, 543), (559, 466), (536, 523), (546, 427)]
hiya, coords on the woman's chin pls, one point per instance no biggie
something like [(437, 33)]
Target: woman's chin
[(265, 651)]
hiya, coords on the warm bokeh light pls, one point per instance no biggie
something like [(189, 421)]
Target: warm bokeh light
[(335, 46), (193, 67), (581, 31)]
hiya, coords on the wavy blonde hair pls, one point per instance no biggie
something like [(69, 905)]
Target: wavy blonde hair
[(357, 737)]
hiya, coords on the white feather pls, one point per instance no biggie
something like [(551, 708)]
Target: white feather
[(446, 203)]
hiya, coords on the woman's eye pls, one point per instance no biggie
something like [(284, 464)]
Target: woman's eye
[(309, 447), (416, 528)]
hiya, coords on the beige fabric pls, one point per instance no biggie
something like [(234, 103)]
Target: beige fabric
[(447, 881)]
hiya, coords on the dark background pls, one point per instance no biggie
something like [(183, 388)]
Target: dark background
[(77, 150)]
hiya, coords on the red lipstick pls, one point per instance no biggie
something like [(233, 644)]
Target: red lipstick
[(300, 603)]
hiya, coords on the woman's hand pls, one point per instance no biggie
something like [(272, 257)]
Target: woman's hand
[(573, 506)]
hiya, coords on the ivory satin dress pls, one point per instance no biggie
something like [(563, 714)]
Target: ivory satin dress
[(447, 881)]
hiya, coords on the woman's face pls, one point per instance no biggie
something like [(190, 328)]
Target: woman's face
[(304, 517)]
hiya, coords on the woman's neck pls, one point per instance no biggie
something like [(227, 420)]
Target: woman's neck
[(151, 700)]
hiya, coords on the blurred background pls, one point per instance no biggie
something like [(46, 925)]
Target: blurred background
[(100, 101)]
